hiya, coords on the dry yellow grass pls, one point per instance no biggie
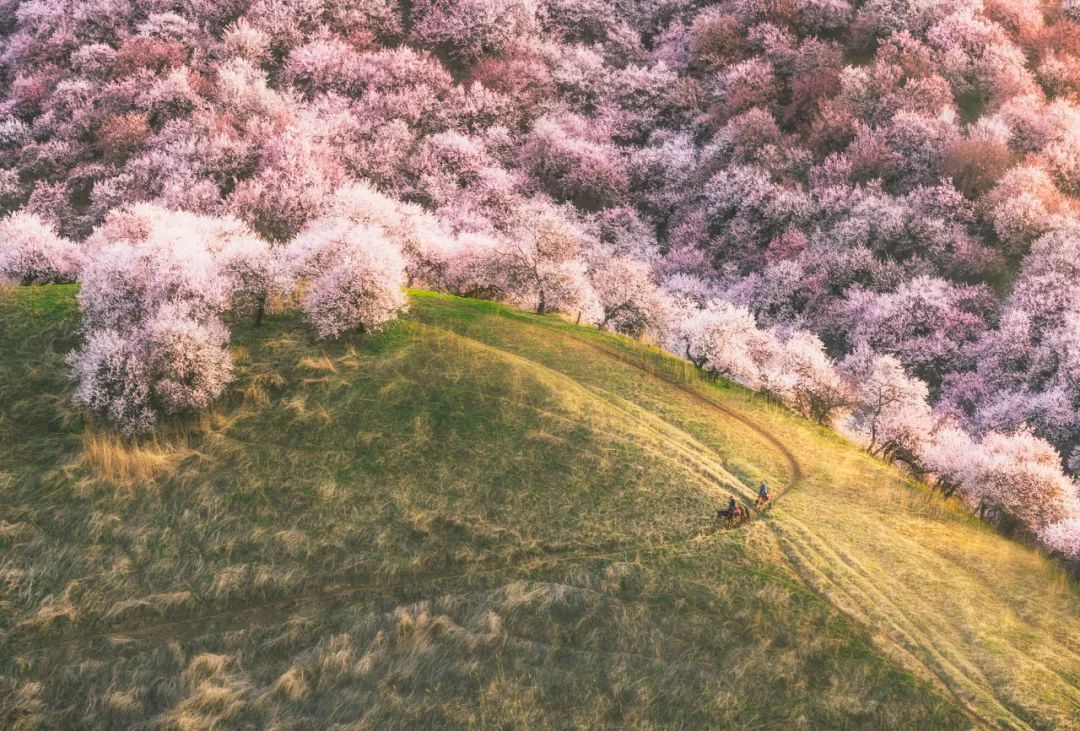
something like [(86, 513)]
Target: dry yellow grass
[(118, 461)]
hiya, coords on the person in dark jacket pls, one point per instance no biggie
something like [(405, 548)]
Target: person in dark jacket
[(732, 512)]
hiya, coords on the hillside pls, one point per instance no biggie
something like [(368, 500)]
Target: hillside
[(484, 517)]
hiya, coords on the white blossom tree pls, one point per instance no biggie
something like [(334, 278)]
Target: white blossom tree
[(31, 252), (1014, 479), (632, 302), (152, 299), (1063, 537), (724, 340), (1022, 482), (170, 364), (113, 381), (253, 272)]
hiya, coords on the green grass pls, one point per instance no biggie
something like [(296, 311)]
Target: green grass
[(481, 517)]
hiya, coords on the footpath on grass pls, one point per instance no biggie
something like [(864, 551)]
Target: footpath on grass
[(789, 457)]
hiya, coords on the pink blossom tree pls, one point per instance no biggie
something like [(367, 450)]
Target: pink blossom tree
[(323, 65), (926, 323), (287, 23), (573, 163), (446, 164), (889, 409), (243, 40), (744, 85), (470, 29), (810, 382), (354, 276), (466, 264), (542, 265), (1022, 206), (745, 209), (296, 177), (824, 15)]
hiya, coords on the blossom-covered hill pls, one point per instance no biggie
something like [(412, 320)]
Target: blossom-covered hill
[(484, 517)]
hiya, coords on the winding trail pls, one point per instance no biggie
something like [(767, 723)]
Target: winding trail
[(772, 439), (254, 614)]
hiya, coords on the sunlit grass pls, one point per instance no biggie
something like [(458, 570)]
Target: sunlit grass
[(122, 462), (485, 517)]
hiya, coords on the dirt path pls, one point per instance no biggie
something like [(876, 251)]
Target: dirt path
[(263, 613), (772, 439)]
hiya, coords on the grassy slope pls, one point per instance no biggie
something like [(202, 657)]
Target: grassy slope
[(485, 517)]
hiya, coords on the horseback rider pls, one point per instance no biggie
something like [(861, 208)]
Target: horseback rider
[(762, 495), (732, 511)]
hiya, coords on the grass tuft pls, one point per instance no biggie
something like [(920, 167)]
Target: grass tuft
[(112, 459)]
